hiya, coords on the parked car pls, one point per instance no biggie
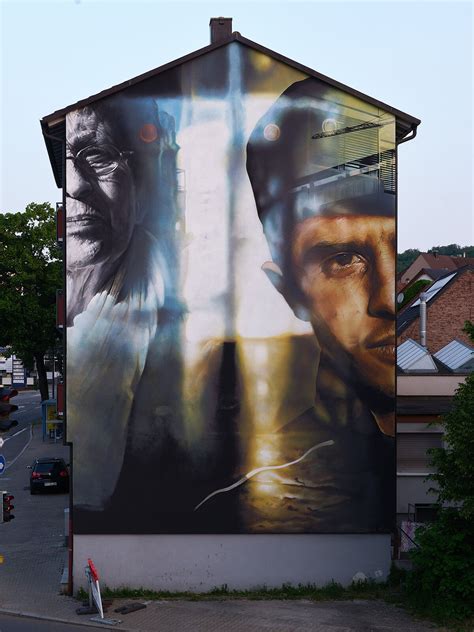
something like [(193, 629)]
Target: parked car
[(49, 474)]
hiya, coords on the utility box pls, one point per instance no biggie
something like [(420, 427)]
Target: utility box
[(52, 427)]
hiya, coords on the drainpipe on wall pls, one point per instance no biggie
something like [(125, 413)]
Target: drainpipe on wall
[(423, 297)]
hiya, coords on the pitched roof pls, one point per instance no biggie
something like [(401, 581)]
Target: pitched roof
[(457, 356), (411, 356), (439, 262), (432, 262), (53, 125), (412, 311)]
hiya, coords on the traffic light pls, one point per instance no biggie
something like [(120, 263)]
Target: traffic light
[(7, 507), (6, 408)]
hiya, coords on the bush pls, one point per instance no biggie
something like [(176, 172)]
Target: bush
[(442, 581)]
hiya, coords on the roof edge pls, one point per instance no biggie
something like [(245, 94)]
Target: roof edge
[(333, 82), (57, 115)]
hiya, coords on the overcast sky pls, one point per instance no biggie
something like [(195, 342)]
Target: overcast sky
[(415, 56)]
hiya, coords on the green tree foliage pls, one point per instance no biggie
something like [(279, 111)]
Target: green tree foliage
[(442, 580), (412, 291), (453, 250), (406, 258), (30, 274), (441, 584), (454, 465)]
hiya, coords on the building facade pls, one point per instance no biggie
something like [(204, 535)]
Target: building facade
[(230, 367)]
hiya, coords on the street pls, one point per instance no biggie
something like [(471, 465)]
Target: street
[(32, 545), (25, 624), (18, 438)]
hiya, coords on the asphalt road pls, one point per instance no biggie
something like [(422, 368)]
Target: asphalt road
[(31, 545), (24, 624), (17, 439)]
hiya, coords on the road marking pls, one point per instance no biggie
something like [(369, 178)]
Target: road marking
[(24, 448), (16, 433)]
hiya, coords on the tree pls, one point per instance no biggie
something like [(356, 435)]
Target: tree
[(30, 274), (453, 250), (442, 581), (455, 465), (406, 258)]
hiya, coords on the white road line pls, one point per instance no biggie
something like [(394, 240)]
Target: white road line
[(16, 434), (21, 452)]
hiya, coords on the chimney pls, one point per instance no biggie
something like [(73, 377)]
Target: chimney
[(423, 297), (221, 29)]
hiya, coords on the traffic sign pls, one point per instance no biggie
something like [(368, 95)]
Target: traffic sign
[(2, 464)]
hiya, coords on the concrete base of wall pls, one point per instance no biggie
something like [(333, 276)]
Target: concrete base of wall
[(200, 563)]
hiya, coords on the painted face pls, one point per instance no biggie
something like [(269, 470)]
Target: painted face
[(345, 269), (100, 208)]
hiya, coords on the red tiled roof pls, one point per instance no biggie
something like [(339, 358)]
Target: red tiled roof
[(438, 262)]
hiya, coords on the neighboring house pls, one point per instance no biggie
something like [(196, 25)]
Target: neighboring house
[(425, 274), (12, 370), (432, 261), (426, 384), (449, 303)]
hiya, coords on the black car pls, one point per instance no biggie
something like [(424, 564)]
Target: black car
[(49, 474)]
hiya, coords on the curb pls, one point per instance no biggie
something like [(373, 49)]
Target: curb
[(42, 617)]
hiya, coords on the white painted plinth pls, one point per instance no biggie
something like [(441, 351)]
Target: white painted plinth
[(201, 562)]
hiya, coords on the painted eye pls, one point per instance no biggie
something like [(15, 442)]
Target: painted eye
[(344, 264), (99, 161), (344, 259)]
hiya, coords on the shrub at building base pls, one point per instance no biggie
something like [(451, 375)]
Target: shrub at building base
[(441, 584), (442, 581)]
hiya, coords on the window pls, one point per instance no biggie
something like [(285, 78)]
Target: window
[(412, 457)]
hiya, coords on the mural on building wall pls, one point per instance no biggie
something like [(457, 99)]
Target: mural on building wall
[(230, 287)]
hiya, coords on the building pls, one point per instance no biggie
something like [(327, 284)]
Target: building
[(449, 303), (224, 427), (12, 371), (426, 384), (432, 261), (428, 376)]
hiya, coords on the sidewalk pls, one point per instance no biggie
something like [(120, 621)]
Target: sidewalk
[(239, 616), (35, 556)]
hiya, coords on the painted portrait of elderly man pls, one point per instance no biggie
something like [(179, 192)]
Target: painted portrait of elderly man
[(120, 216)]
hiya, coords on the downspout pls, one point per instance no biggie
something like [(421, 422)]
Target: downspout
[(70, 585), (423, 297)]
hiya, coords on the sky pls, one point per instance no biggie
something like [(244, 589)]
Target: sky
[(414, 56)]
